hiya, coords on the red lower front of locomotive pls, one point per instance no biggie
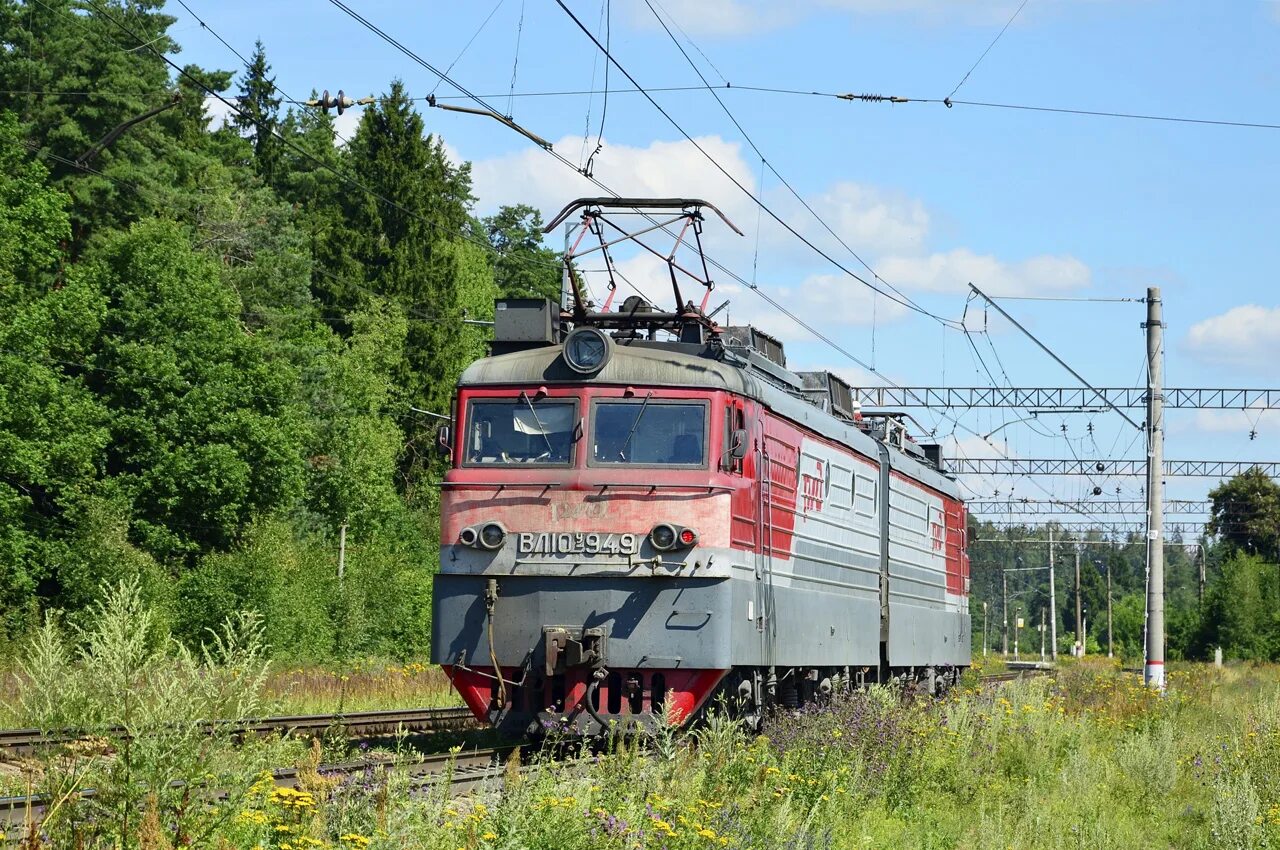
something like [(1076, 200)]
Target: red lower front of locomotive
[(580, 702)]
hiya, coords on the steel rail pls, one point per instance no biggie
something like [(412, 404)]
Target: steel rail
[(355, 723), (465, 772)]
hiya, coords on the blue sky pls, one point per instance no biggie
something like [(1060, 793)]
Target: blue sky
[(1018, 202)]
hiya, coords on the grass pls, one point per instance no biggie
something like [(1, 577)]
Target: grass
[(1086, 759), (364, 685), (1090, 759)]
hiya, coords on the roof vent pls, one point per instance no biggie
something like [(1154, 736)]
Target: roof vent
[(520, 323), (754, 339), (831, 393)]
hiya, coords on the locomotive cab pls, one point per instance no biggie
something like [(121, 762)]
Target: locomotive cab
[(586, 551)]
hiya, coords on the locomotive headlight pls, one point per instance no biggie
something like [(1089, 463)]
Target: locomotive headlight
[(468, 536), (492, 534), (586, 350), (666, 537), (663, 537)]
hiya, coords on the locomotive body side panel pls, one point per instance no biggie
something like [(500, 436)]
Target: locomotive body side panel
[(820, 572)]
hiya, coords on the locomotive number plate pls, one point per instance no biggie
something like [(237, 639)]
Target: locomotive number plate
[(577, 543)]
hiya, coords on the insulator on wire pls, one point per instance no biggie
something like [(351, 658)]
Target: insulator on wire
[(341, 102)]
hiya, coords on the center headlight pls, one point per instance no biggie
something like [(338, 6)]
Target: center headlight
[(586, 350), (492, 534)]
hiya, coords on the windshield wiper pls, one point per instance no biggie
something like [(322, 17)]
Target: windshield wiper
[(541, 430), (622, 452)]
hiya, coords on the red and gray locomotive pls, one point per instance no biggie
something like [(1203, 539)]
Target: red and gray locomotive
[(646, 509)]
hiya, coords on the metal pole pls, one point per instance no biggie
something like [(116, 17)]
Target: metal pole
[(1202, 573), (1042, 628), (984, 630), (1111, 647), (1004, 611), (1084, 630), (1079, 610), (1053, 602), (342, 551), (1017, 631), (1154, 670)]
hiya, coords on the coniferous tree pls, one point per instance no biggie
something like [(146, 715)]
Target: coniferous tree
[(523, 267), (259, 116)]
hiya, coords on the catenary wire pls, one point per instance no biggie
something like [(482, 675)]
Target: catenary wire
[(764, 160), (999, 35), (728, 174)]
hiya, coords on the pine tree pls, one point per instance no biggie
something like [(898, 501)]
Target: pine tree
[(523, 267), (259, 116)]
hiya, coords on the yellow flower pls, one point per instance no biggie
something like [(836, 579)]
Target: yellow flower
[(489, 836)]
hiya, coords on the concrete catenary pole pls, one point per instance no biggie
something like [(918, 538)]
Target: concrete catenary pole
[(1004, 612), (1154, 670), (1079, 609), (1053, 602), (1111, 646)]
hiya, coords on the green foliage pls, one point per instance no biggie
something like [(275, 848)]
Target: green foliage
[(1242, 612), (1092, 762), (1246, 513), (206, 429), (59, 46), (146, 701), (33, 219), (523, 267), (215, 343), (258, 117)]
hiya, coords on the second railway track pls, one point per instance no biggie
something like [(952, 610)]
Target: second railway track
[(17, 742)]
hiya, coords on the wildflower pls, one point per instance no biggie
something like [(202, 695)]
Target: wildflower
[(489, 836)]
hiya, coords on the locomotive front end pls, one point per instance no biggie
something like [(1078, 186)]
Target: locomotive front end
[(586, 552)]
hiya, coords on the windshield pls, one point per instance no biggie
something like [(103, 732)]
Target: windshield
[(649, 432), (520, 431)]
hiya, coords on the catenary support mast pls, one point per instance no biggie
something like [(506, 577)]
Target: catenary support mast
[(1154, 670)]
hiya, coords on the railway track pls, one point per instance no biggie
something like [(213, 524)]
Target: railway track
[(467, 771), (1014, 675), (17, 742)]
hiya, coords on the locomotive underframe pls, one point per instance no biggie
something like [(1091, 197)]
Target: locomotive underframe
[(682, 638)]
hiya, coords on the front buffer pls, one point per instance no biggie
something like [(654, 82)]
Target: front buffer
[(582, 655)]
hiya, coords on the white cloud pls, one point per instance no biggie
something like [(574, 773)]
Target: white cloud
[(880, 221), (1237, 422), (1247, 336), (721, 18), (733, 18), (344, 125), (660, 170), (832, 303), (217, 112), (952, 271)]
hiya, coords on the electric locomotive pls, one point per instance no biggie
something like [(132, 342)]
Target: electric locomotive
[(646, 509)]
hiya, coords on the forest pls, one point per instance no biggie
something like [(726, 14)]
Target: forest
[(226, 343), (1221, 590), (221, 345)]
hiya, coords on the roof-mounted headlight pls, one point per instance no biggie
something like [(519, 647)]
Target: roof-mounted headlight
[(586, 350)]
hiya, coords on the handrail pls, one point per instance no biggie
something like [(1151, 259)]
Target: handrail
[(499, 484), (604, 485)]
